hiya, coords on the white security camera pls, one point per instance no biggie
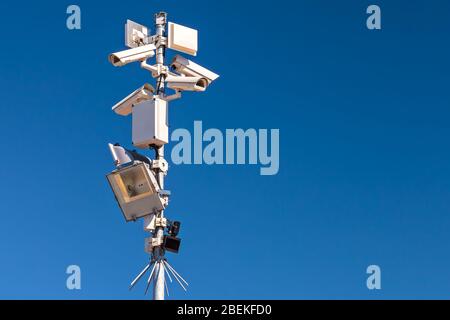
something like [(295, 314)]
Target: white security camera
[(181, 83), (124, 107), (141, 53), (191, 69)]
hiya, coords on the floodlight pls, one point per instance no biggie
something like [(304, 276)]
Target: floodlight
[(136, 190), (172, 244), (188, 68), (186, 83), (124, 107), (183, 39), (121, 58)]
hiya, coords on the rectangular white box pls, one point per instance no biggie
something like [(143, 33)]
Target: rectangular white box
[(150, 123), (183, 39)]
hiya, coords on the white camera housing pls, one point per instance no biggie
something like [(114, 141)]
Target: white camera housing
[(188, 68), (124, 57), (124, 107), (181, 83)]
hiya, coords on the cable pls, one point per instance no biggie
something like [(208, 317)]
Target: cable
[(159, 84)]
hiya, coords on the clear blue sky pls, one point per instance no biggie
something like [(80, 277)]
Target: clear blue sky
[(364, 150)]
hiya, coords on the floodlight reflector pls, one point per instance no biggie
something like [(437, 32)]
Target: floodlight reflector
[(136, 191), (183, 39)]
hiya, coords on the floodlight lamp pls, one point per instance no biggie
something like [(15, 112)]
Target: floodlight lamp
[(136, 190)]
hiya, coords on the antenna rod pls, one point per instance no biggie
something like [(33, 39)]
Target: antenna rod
[(140, 275)]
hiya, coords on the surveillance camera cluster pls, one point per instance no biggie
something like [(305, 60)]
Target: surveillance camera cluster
[(186, 75), (148, 106), (138, 181)]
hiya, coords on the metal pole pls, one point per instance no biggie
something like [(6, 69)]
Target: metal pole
[(158, 252), (160, 25), (159, 291)]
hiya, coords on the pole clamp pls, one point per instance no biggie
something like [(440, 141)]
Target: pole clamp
[(161, 165)]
